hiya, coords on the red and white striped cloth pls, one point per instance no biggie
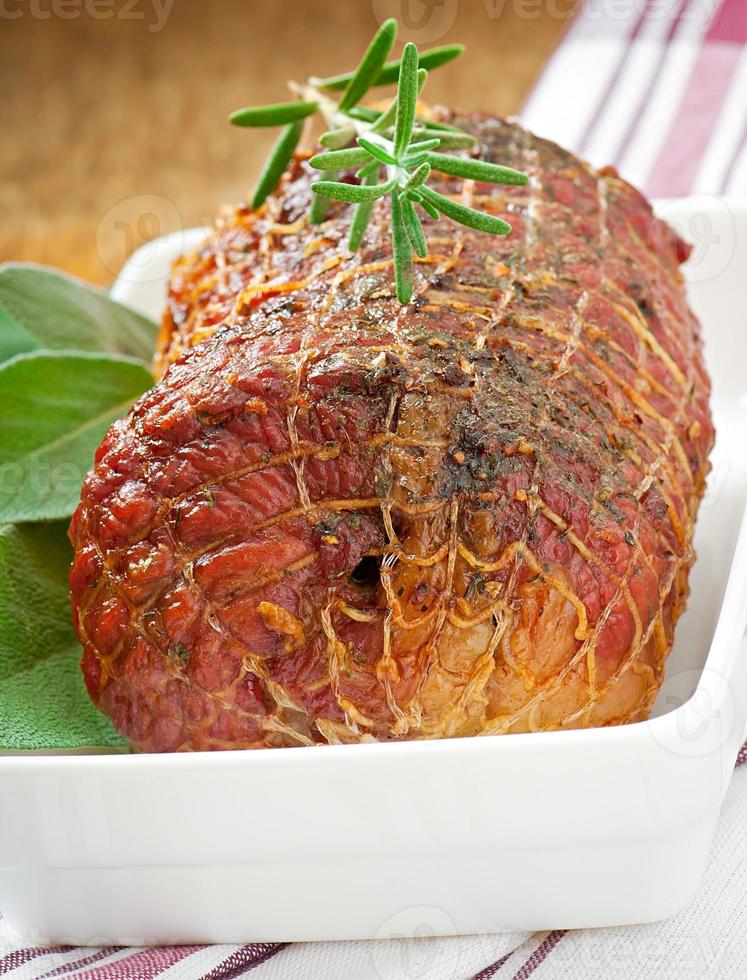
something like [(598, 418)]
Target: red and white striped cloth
[(656, 87), (659, 88)]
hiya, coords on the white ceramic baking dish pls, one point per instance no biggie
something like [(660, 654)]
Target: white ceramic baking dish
[(551, 830)]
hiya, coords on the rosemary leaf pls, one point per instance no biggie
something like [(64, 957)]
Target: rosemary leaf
[(427, 206), (377, 151), (419, 146), (356, 156), (433, 58), (432, 124), (414, 229), (386, 119), (363, 113), (407, 97), (476, 169), (362, 217), (273, 115), (335, 139), (371, 168), (371, 65), (320, 205), (448, 141), (418, 177), (318, 209), (413, 161), (478, 220), (402, 253), (422, 79), (278, 160), (352, 193)]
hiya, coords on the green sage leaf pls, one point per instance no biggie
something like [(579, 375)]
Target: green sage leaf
[(56, 408), (43, 701), (41, 308), (13, 338)]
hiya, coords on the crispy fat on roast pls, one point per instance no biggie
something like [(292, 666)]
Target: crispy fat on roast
[(335, 519)]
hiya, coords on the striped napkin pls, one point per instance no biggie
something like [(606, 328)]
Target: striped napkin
[(656, 87), (659, 88)]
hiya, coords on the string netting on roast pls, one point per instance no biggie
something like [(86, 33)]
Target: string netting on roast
[(496, 484)]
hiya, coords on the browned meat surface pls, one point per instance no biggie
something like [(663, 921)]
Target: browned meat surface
[(334, 519)]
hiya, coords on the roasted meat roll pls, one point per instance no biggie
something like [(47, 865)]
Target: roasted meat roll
[(337, 519)]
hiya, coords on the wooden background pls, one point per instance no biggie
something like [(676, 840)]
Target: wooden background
[(113, 114)]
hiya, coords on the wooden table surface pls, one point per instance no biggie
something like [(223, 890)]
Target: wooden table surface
[(114, 111)]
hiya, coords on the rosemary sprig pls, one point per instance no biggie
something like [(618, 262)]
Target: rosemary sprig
[(368, 141), (362, 214), (278, 160), (371, 65), (402, 252), (353, 193), (407, 97), (390, 72), (273, 115)]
